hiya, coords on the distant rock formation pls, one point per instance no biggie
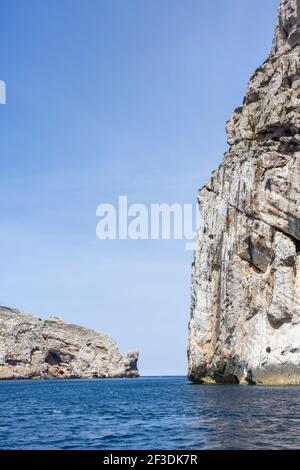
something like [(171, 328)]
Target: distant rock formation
[(245, 313), (31, 348)]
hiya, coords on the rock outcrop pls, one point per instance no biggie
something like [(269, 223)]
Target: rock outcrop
[(31, 348), (245, 314)]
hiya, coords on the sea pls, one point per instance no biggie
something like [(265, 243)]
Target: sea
[(151, 413)]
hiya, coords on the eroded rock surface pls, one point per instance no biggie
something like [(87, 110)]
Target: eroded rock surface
[(31, 348), (245, 314)]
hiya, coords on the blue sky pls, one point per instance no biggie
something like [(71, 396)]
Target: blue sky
[(110, 97)]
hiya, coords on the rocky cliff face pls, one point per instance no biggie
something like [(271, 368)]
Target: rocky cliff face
[(31, 348), (245, 314)]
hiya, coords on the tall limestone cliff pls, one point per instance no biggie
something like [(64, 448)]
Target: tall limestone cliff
[(245, 314), (31, 348)]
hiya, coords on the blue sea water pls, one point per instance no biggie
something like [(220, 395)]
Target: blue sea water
[(147, 413)]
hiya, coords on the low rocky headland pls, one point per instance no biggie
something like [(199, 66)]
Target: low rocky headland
[(32, 348), (245, 313)]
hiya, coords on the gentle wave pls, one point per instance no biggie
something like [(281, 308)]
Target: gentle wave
[(147, 413)]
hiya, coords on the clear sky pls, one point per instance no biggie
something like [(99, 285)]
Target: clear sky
[(109, 97)]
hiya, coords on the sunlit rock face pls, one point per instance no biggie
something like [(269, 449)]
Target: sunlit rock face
[(245, 313), (31, 348)]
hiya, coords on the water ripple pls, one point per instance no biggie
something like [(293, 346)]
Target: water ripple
[(147, 413)]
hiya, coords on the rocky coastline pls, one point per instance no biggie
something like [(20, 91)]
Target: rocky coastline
[(32, 348), (245, 312)]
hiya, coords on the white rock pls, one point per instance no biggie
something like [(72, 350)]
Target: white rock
[(245, 314), (31, 348)]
